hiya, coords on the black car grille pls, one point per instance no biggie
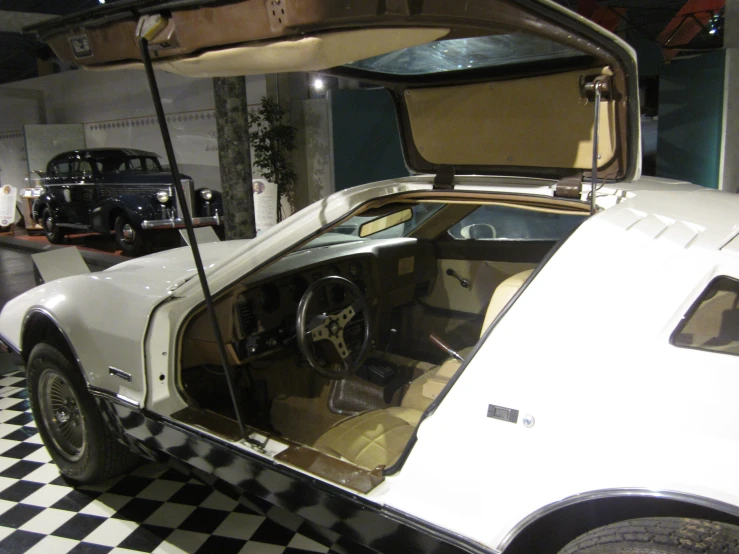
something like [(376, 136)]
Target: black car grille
[(188, 187)]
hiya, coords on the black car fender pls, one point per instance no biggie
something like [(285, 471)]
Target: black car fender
[(208, 207), (44, 201), (136, 208)]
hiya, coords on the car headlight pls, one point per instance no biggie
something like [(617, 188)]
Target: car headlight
[(163, 196), (207, 194)]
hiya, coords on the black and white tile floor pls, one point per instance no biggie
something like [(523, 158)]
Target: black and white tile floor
[(153, 509)]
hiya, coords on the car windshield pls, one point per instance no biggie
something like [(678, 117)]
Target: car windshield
[(466, 53), (350, 230)]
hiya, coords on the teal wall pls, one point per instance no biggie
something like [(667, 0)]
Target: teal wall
[(691, 97), (365, 136)]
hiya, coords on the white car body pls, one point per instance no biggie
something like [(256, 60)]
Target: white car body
[(634, 270)]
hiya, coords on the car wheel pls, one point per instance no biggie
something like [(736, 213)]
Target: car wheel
[(69, 421), (667, 535), (53, 233), (129, 237)]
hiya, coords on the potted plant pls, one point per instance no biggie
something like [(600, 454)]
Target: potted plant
[(272, 140)]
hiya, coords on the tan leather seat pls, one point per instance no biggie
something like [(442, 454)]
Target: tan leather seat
[(428, 386), (378, 437), (371, 439)]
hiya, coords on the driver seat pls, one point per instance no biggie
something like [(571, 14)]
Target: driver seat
[(378, 437)]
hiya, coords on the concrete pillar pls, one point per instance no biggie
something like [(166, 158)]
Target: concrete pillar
[(234, 156), (729, 162)]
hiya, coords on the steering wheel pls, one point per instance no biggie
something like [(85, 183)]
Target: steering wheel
[(328, 329)]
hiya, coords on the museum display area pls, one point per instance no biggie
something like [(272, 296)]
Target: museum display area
[(298, 276)]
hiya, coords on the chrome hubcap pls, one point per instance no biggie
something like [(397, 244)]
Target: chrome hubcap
[(128, 232), (49, 225), (61, 414)]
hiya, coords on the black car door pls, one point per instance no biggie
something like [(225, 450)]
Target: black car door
[(57, 182), (79, 193)]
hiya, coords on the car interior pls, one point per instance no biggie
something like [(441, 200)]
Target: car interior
[(341, 344)]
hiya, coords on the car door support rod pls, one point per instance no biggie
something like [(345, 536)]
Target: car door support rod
[(144, 47)]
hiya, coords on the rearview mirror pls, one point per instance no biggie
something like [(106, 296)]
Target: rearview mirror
[(385, 222)]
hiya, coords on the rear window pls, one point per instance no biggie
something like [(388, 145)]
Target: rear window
[(712, 323), (467, 53), (495, 222)]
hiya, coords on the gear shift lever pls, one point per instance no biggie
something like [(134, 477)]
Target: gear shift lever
[(445, 347), (390, 340)]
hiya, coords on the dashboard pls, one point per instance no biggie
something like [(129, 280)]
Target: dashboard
[(388, 272)]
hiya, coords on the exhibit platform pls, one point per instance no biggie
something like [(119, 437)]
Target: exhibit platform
[(98, 251)]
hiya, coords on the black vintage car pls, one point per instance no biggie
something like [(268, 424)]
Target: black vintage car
[(121, 190)]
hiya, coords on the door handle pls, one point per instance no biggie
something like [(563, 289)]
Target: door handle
[(462, 281)]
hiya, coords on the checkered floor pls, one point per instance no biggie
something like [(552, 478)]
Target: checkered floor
[(152, 509)]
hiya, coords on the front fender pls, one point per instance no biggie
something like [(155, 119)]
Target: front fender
[(44, 201), (98, 340), (205, 208), (135, 207)]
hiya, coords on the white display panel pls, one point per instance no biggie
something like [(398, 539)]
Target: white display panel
[(8, 213), (43, 142)]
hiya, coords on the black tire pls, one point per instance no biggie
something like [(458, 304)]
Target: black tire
[(664, 535), (82, 446), (53, 233), (129, 237)]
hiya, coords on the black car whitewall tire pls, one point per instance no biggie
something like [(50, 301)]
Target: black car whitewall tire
[(69, 421), (129, 236), (53, 233), (666, 535)]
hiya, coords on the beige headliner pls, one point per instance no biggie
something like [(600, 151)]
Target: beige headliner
[(306, 54), (536, 122)]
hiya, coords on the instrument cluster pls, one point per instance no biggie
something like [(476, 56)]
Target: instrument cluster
[(266, 313)]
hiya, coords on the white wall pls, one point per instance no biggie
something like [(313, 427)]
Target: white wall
[(116, 110)]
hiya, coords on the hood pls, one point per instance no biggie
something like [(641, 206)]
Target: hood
[(165, 271), (498, 87)]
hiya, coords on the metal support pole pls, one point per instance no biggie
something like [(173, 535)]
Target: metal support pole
[(594, 175), (144, 46)]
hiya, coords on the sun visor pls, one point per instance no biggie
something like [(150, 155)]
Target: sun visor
[(306, 54), (531, 122)]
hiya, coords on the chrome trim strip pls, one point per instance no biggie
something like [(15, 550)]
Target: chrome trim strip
[(179, 222), (59, 328), (617, 493), (113, 397), (115, 372)]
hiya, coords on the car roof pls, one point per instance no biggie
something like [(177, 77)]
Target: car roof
[(105, 152)]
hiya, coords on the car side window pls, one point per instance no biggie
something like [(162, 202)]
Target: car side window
[(496, 222), (62, 169), (712, 322), (135, 164), (151, 164)]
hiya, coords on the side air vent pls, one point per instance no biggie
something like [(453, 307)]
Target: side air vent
[(247, 319), (422, 289)]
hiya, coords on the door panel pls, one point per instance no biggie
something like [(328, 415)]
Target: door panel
[(482, 276)]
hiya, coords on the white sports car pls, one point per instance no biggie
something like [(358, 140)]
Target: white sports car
[(522, 348)]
